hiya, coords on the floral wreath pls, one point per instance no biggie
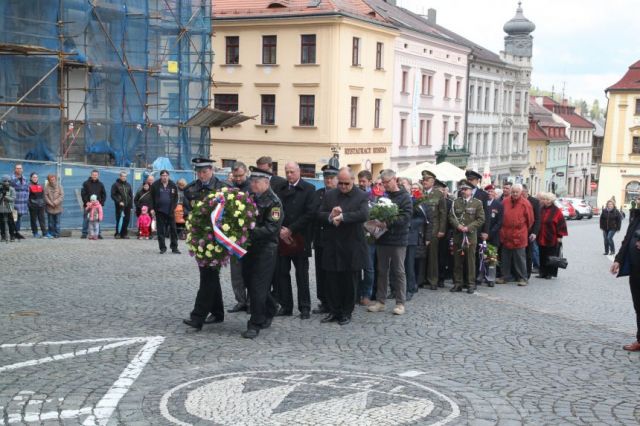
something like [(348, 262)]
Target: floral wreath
[(218, 227)]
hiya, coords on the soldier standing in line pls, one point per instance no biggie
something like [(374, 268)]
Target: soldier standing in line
[(474, 179), (436, 202), (330, 175), (260, 261), (209, 297), (466, 218), (445, 257)]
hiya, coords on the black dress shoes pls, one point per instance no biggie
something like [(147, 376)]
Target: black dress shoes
[(175, 251), (283, 313), (192, 323), (321, 309), (251, 333), (433, 287), (471, 289), (344, 320), (491, 284), (163, 250), (212, 319), (305, 315), (455, 289), (237, 308), (329, 318)]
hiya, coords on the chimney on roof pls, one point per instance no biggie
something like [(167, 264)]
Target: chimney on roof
[(431, 16)]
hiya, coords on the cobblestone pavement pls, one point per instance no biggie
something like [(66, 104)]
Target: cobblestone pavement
[(91, 333)]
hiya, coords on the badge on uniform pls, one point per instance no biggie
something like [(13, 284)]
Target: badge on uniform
[(275, 213)]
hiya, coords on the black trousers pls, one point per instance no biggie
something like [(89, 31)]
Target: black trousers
[(124, 229), (36, 215), (634, 284), (7, 224), (164, 221), (545, 252), (529, 259), (341, 292), (257, 269), (284, 290), (321, 277), (209, 297)]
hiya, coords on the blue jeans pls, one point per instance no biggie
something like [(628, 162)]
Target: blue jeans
[(85, 225), (53, 222), (410, 269), (609, 247), (365, 286), (535, 255)]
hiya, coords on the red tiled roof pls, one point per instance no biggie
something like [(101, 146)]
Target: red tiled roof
[(576, 120), (536, 133), (630, 81), (257, 8), (566, 112)]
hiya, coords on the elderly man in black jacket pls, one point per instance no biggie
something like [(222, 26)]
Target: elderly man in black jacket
[(391, 247), (344, 210), (122, 196), (533, 232), (295, 241), (164, 196)]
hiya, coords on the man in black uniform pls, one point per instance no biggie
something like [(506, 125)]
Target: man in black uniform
[(330, 175), (209, 297), (445, 257), (259, 262)]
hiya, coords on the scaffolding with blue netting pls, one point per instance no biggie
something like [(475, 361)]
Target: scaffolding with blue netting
[(104, 82)]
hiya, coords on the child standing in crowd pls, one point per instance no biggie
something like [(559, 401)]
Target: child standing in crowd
[(144, 224), (94, 214), (36, 206)]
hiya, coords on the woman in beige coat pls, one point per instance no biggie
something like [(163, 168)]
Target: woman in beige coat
[(53, 196)]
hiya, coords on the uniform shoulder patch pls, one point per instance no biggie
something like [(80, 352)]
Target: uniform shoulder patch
[(275, 213)]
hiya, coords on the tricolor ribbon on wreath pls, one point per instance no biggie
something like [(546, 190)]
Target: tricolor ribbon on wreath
[(482, 248), (221, 238)]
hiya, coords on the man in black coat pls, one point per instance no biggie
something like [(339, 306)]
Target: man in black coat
[(295, 241), (344, 210), (122, 196), (91, 186), (330, 176), (474, 179), (627, 263), (277, 182), (493, 213), (533, 232), (164, 199)]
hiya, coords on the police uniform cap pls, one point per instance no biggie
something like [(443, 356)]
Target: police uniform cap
[(201, 162), (258, 173), (329, 171), (428, 174), (439, 184), (464, 184), (471, 174)]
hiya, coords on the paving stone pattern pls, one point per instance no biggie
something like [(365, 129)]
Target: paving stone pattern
[(549, 353)]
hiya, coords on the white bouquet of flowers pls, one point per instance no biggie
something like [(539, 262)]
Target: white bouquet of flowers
[(382, 214)]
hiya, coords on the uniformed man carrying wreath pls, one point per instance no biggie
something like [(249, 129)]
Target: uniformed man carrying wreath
[(466, 217), (260, 261), (209, 297)]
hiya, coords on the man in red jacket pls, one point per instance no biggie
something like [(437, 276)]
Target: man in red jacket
[(514, 236)]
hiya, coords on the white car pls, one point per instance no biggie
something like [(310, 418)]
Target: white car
[(583, 208)]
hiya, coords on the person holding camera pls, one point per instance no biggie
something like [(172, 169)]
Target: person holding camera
[(627, 263), (7, 197), (552, 228)]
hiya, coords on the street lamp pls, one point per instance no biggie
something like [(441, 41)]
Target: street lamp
[(584, 180), (532, 172)]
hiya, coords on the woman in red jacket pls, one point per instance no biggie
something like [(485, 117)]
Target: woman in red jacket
[(514, 236), (552, 228)]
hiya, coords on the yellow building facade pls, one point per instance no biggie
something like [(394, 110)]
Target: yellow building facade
[(620, 167), (537, 142), (325, 87)]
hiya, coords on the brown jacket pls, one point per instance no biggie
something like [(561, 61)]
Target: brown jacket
[(53, 196)]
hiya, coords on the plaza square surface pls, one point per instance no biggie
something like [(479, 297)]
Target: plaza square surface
[(91, 333)]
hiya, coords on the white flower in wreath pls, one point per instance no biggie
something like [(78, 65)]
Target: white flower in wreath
[(385, 201)]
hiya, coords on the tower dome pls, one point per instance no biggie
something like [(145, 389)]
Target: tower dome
[(519, 24)]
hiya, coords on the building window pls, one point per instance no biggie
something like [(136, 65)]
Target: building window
[(517, 108), (445, 130), (308, 49), (376, 115), (495, 100), (405, 81), (225, 102), (307, 110), (446, 87), (458, 89), (233, 50), (472, 91), (486, 99), (638, 106), (355, 52), (636, 145), (228, 163), (421, 135), (379, 52), (428, 133), (268, 116), (403, 125), (479, 103), (354, 111), (269, 44), (427, 84), (307, 170)]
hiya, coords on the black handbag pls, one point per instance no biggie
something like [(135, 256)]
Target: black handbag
[(558, 261)]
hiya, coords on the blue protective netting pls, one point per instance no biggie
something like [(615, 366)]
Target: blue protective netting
[(123, 102)]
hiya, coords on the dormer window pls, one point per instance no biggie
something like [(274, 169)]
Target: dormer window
[(277, 5)]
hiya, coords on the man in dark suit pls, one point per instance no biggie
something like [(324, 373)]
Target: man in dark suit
[(295, 241), (474, 179), (344, 210), (493, 212), (533, 232), (330, 175), (266, 164)]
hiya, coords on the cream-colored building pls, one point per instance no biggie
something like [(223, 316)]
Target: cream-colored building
[(317, 79), (620, 167)]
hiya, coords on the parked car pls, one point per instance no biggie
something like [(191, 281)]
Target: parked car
[(568, 211), (583, 208)]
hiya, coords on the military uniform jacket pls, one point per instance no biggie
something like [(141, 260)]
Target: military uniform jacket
[(438, 206), (269, 220), (467, 213), (345, 246)]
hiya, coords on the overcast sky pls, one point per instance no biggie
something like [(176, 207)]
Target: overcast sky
[(587, 45)]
